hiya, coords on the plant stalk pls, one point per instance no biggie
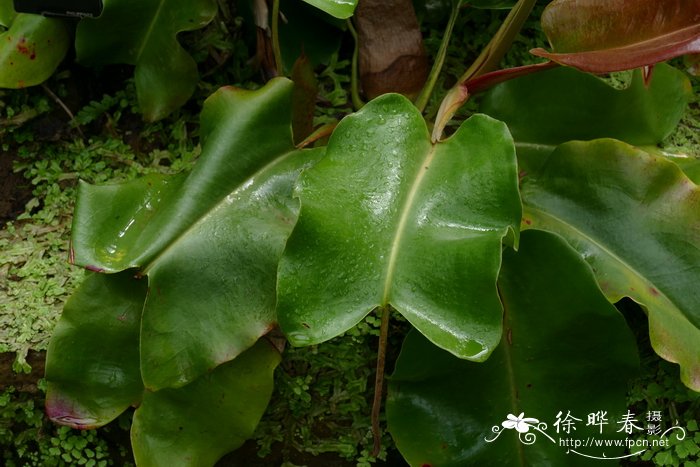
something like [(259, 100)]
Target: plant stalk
[(487, 60), (379, 380), (274, 25), (424, 96), (357, 102), (496, 49)]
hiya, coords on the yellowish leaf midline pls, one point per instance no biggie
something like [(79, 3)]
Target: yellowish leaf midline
[(149, 32), (224, 200), (662, 297), (403, 220)]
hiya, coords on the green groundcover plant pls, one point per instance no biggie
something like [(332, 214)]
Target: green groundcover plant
[(503, 240)]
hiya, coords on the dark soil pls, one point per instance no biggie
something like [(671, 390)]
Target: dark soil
[(15, 190), (26, 383)]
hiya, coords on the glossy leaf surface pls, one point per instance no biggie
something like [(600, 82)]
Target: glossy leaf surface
[(387, 218), (197, 424), (602, 35), (549, 108), (564, 348), (220, 228), (92, 363), (143, 33), (92, 370), (339, 8), (31, 48), (635, 218), (690, 165)]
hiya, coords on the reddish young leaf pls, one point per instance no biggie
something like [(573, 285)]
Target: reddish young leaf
[(611, 35)]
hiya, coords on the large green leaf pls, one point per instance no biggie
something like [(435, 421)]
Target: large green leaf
[(339, 8), (564, 348), (143, 33), (389, 219), (209, 241), (635, 218), (601, 35), (92, 363), (7, 13), (308, 32), (92, 370), (552, 107), (197, 424), (31, 48)]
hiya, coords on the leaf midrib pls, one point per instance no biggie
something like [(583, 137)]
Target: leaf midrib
[(607, 251), (181, 236), (403, 220), (510, 371), (149, 31)]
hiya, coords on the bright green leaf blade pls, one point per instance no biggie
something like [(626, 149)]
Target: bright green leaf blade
[(689, 165), (600, 36), (7, 13), (388, 218), (636, 219), (549, 108), (109, 220), (31, 49), (197, 424), (339, 8), (564, 349), (92, 364), (241, 133), (143, 33), (213, 294), (209, 241)]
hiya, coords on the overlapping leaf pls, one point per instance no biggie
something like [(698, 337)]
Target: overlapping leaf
[(308, 32), (567, 105), (197, 424), (339, 8), (601, 35), (389, 219), (549, 108), (209, 241), (560, 336), (31, 48), (93, 375), (92, 363), (635, 218), (143, 33)]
